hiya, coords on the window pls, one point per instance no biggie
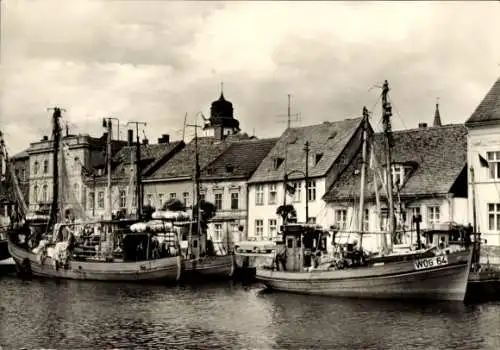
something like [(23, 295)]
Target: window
[(160, 200), (494, 217), (35, 194), (432, 215), (91, 201), (494, 164), (277, 162), (185, 198), (411, 212), (23, 174), (173, 195), (297, 196), (123, 199), (272, 228), (259, 195), (217, 232), (77, 165), (149, 199), (259, 227), (311, 191), (366, 220), (100, 200), (36, 167), (318, 158), (273, 194), (218, 201), (45, 166), (311, 220), (202, 196), (398, 175), (45, 194), (341, 218), (76, 191), (234, 200)]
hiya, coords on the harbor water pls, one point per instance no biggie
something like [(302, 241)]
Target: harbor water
[(96, 315)]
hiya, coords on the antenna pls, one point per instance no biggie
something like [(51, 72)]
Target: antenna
[(289, 115), (184, 127)]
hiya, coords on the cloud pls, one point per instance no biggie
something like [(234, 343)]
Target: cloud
[(154, 61)]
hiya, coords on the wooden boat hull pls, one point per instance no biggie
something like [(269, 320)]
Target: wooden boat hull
[(400, 280), (166, 269), (210, 267), (4, 250)]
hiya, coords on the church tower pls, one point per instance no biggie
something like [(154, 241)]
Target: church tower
[(221, 122)]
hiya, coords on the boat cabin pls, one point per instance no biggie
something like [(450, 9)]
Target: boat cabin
[(448, 235), (302, 246)]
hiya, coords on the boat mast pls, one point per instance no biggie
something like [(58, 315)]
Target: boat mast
[(363, 179), (138, 187), (386, 119), (56, 137), (195, 215), (107, 124), (474, 218), (197, 181)]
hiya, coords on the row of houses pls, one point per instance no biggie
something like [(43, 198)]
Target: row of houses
[(243, 176)]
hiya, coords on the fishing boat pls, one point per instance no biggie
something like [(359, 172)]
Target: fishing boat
[(201, 261), (303, 264), (4, 246), (71, 247)]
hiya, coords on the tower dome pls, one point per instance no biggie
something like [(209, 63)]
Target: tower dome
[(222, 113)]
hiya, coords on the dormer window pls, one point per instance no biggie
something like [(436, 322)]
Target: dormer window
[(277, 162), (229, 168), (317, 158), (398, 175)]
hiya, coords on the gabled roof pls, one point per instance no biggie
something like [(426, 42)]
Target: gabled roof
[(327, 140), (436, 155), (488, 110), (182, 164), (239, 160), (151, 154), (21, 155)]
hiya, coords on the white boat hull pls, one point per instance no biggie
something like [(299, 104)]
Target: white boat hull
[(391, 281)]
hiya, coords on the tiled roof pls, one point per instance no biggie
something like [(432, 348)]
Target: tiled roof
[(241, 159), (437, 156), (183, 162), (21, 155), (489, 109), (151, 154), (327, 139)]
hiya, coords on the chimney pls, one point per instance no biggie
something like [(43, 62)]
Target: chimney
[(437, 116), (422, 125), (45, 138), (165, 138), (130, 137)]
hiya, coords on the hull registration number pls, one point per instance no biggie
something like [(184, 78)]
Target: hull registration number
[(431, 262)]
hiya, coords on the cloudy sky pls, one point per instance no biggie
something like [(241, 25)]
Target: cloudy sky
[(154, 61)]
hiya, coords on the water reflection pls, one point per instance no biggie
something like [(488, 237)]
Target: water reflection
[(83, 315)]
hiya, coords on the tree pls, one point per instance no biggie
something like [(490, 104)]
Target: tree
[(287, 213), (207, 211), (174, 205), (147, 212)]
